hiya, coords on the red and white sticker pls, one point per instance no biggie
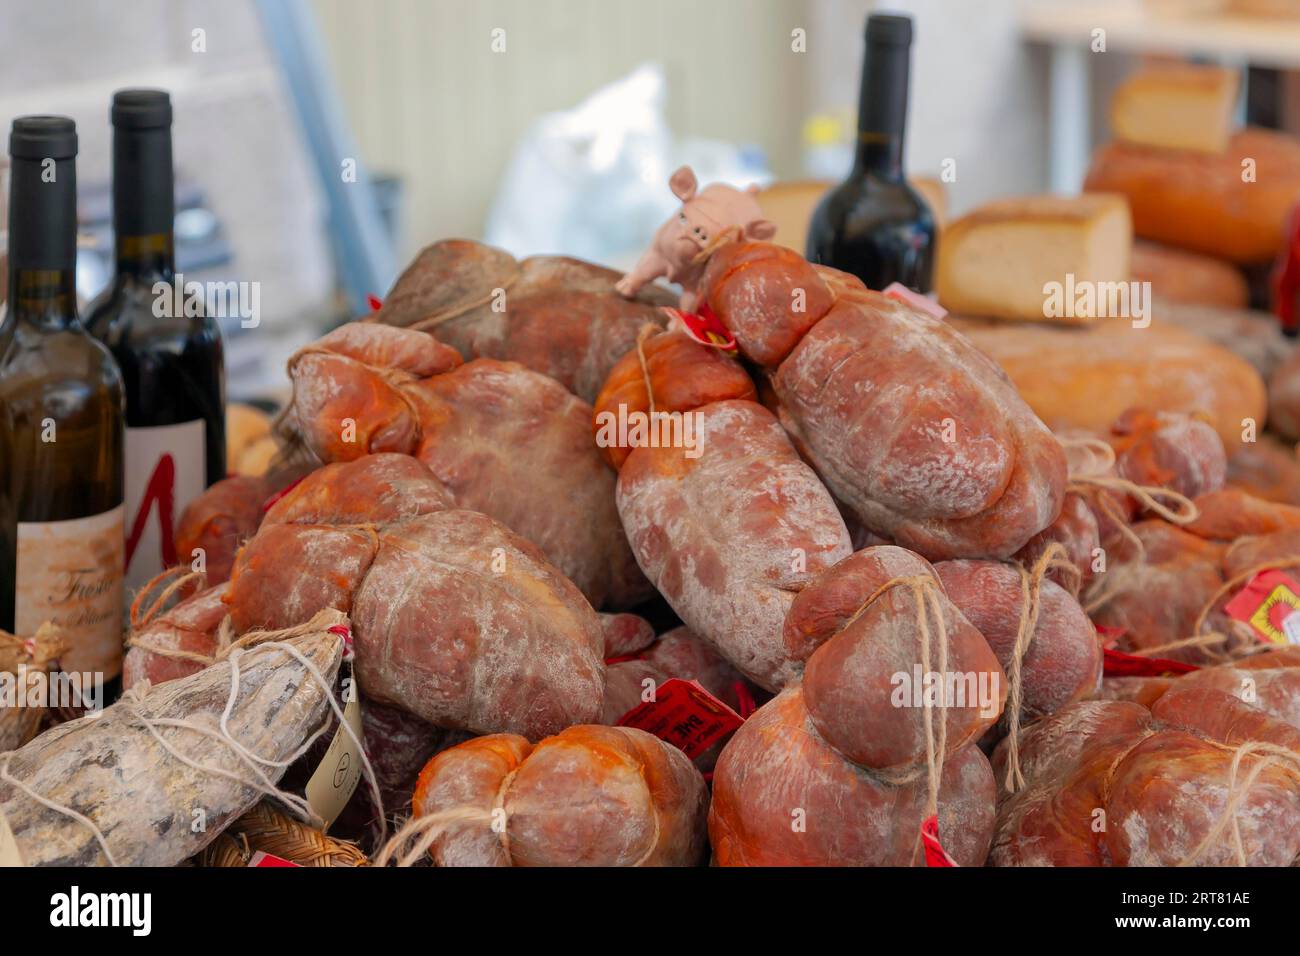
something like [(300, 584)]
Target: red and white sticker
[(262, 860), (1269, 604), (704, 327), (685, 715)]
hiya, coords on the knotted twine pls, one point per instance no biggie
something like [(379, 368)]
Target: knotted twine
[(927, 594), (1273, 755), (1054, 557), (418, 834), (257, 780), (1095, 474)]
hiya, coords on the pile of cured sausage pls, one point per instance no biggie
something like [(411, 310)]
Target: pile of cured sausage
[(937, 633)]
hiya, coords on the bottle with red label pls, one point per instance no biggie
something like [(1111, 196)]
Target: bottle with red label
[(169, 352), (61, 404)]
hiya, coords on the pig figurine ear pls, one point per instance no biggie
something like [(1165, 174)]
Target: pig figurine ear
[(761, 229), (683, 183)]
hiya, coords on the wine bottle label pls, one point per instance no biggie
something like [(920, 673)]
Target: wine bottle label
[(70, 573), (166, 469)]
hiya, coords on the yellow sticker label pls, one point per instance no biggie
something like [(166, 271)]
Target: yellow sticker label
[(335, 780), (1262, 619)]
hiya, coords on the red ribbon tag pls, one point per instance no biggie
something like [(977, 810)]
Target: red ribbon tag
[(685, 715), (263, 860), (1269, 603), (343, 631), (744, 700), (374, 302), (624, 658), (1286, 276), (705, 327), (1109, 635), (922, 303), (935, 854), (1118, 664), (270, 502)]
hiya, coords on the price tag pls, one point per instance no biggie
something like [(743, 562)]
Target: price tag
[(1268, 603), (335, 780), (685, 715)]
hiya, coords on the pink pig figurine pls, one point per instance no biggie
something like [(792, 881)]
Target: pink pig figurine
[(681, 246)]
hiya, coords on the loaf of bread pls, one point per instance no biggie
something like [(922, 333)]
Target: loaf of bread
[(1003, 259), (1086, 378), (1176, 106), (1177, 275), (1232, 204)]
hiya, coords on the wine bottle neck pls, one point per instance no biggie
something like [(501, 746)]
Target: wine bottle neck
[(143, 202), (46, 298), (43, 240), (146, 258), (882, 109)]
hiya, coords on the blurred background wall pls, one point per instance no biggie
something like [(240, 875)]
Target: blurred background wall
[(430, 100), (440, 115)]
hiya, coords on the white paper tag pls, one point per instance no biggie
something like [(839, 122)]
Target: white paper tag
[(335, 780), (1291, 627)]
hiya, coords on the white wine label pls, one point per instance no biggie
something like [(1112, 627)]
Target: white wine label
[(166, 469), (70, 573)]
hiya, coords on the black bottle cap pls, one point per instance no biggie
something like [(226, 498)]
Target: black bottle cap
[(43, 194), (141, 109), (43, 137), (889, 29)]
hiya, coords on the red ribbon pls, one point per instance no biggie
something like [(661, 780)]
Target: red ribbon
[(1286, 276), (624, 658), (374, 302), (269, 503), (745, 705), (1118, 664), (935, 854), (343, 631)]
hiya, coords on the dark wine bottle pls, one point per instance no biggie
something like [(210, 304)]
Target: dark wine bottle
[(172, 362), (61, 413), (874, 224)]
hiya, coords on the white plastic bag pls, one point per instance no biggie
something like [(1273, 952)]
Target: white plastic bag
[(592, 181)]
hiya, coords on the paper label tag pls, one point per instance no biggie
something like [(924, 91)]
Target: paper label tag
[(1268, 603), (262, 860), (10, 855), (935, 854), (335, 780), (705, 327), (922, 303), (1118, 664), (70, 574), (685, 715)]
